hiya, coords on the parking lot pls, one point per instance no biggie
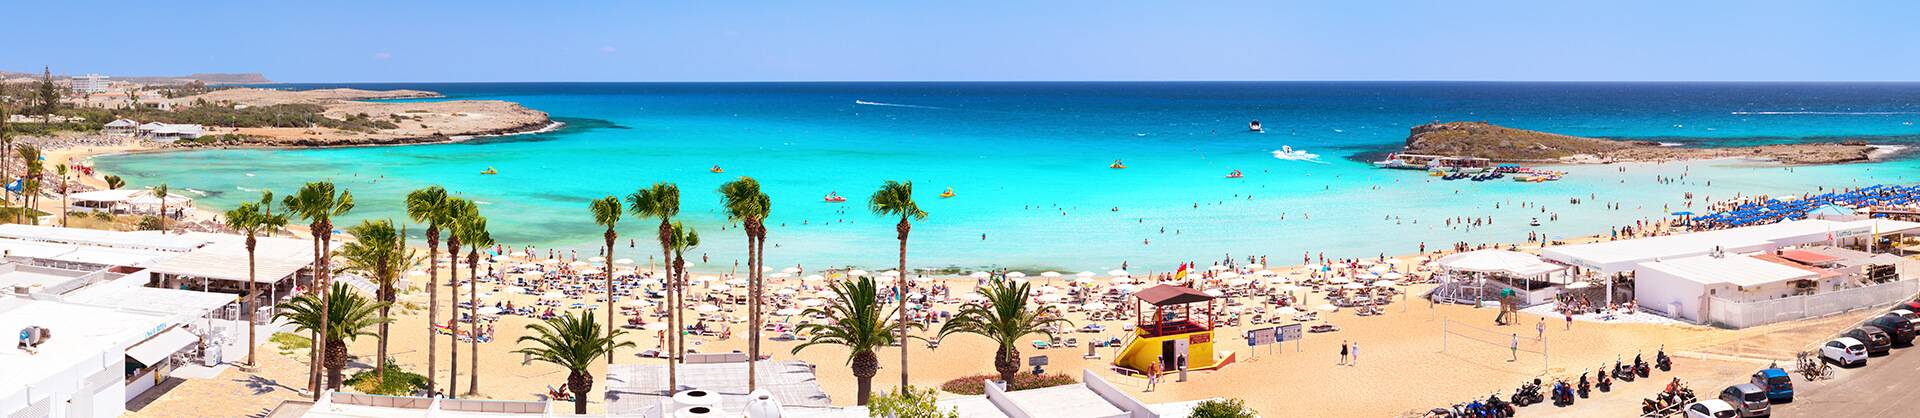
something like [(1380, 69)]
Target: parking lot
[(1879, 389)]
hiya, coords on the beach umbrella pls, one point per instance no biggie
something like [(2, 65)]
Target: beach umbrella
[(654, 326), (550, 261), (788, 312), (1125, 288), (719, 287), (1327, 307), (764, 269), (577, 263), (790, 270), (597, 259), (1047, 289), (1094, 306), (1355, 286), (1117, 273), (890, 273), (552, 295), (590, 271), (781, 275), (1378, 269), (812, 302), (1215, 293), (502, 257), (1368, 276), (704, 278), (489, 311), (1228, 275), (1339, 280), (1050, 274), (639, 302), (737, 281), (1279, 280), (623, 261), (1266, 273), (706, 308), (1217, 267), (974, 297), (1016, 275), (922, 279), (813, 278), (1255, 266), (1122, 279), (979, 275), (1394, 275), (1286, 310), (1083, 280), (785, 291), (856, 273), (1289, 288), (1239, 282), (417, 273), (1578, 285), (1383, 283), (1051, 297), (1085, 274)]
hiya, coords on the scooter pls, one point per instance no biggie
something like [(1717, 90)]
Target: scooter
[(1661, 360), (1640, 367), (1604, 382), (1562, 394), (1622, 372), (1528, 394), (1584, 387), (1498, 408)]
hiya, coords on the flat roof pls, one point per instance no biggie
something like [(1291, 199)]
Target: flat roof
[(180, 304), (1066, 401), (1732, 269), (1601, 254), (148, 240), (79, 334), (224, 257)]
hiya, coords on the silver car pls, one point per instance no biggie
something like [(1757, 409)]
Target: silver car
[(1747, 398)]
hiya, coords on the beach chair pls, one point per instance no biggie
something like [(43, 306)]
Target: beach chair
[(1040, 344)]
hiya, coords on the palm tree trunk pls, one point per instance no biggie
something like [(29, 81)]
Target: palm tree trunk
[(613, 316), (865, 365), (336, 362), (902, 293), (579, 382), (753, 308), (313, 336), (252, 305), (433, 302), (1007, 362), (326, 288), (673, 328), (473, 310), (453, 325)]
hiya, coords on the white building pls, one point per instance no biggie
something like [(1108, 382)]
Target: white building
[(82, 370), (169, 132), (121, 128), (90, 83)]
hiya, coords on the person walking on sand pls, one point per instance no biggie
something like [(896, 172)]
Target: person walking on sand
[(1355, 360), (1153, 375), (1569, 313), (1515, 347), (1343, 352), (1541, 328)]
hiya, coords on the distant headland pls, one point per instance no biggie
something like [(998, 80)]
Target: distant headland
[(1499, 143)]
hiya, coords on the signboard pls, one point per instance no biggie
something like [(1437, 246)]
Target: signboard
[(1200, 338), (1037, 361), (1289, 332), (1262, 336)]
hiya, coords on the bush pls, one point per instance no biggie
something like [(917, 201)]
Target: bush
[(149, 223), (104, 216), (289, 342), (909, 402), (970, 385), (399, 382), (1216, 408)]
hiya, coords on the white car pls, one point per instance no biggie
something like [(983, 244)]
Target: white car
[(1714, 408), (1911, 317), (1844, 350)]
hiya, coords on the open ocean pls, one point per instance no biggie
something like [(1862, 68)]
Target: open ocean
[(1028, 162)]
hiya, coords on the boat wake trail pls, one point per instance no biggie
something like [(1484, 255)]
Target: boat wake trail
[(1823, 113), (864, 102)]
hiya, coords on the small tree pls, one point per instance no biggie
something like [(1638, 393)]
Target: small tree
[(1223, 408), (909, 402)]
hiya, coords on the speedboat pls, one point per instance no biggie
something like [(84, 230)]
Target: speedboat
[(1535, 222), (1117, 165), (1235, 174), (1286, 152), (947, 194), (489, 171), (1255, 126), (834, 197), (716, 169)]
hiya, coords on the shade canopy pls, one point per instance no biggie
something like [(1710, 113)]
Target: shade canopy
[(1498, 261), (1164, 295)]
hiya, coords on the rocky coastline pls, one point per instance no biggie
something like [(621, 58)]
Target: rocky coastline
[(1504, 144)]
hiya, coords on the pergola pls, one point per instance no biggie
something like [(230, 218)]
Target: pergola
[(1463, 275), (1166, 320)]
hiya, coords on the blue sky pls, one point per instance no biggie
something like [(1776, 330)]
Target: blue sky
[(605, 40)]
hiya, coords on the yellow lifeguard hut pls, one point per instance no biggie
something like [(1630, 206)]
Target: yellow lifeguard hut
[(1172, 333)]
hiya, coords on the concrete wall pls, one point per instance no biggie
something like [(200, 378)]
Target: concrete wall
[(998, 396), (1113, 395)]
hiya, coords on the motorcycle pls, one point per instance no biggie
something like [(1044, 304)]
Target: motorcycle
[(1498, 408), (1604, 382), (1622, 372), (1528, 394), (1640, 366), (1661, 360), (1562, 394), (1584, 388)]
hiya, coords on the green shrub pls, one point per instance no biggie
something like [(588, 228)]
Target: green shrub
[(970, 385), (399, 382), (1217, 408), (288, 342), (909, 402), (149, 223)]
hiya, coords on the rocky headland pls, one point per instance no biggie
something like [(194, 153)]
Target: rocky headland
[(1499, 143)]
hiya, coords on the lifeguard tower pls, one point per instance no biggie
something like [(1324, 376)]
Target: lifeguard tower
[(1173, 332)]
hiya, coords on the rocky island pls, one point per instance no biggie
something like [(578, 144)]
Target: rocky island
[(1499, 143)]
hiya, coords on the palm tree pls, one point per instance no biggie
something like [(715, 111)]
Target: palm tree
[(684, 239), (317, 203), (896, 198), (746, 204), (251, 220), (346, 317), (429, 205), (572, 342), (380, 253), (160, 191), (854, 320), (30, 187), (473, 232), (1005, 316), (662, 200), (61, 170), (606, 212), (458, 210), (115, 182), (6, 143)]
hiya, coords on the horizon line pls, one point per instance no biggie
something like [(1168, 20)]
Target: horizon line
[(1115, 81)]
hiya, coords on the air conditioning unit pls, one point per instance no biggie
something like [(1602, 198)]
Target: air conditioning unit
[(32, 337)]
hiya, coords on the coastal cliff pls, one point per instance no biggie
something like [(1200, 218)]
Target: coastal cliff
[(352, 121), (1499, 143)]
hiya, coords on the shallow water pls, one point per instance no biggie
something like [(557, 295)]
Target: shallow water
[(1028, 162)]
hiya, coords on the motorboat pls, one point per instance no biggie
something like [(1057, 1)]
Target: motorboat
[(947, 194), (1286, 152), (716, 169), (1117, 165), (489, 171), (1255, 126), (1431, 162), (1235, 174), (834, 197), (1535, 222)]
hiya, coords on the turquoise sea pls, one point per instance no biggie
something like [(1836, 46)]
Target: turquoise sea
[(1029, 164)]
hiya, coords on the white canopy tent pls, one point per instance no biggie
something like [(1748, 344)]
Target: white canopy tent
[(1473, 276)]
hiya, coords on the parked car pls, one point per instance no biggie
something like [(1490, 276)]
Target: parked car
[(1844, 350), (1912, 318), (1878, 343), (1779, 385), (1911, 305), (1896, 327), (1711, 408), (1747, 398)]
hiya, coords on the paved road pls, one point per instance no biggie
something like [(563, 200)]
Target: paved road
[(1882, 388)]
